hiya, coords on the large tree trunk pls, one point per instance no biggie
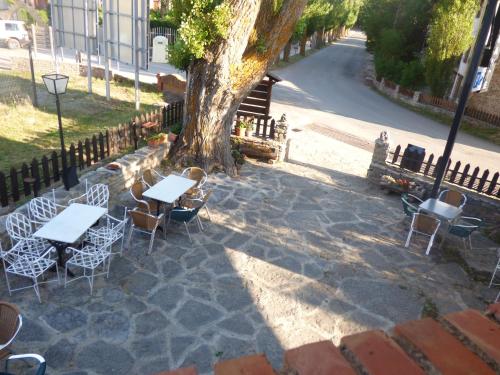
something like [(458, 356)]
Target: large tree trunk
[(286, 51), (320, 34), (218, 83)]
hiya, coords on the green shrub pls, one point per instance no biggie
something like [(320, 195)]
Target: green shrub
[(389, 68), (176, 128), (413, 75)]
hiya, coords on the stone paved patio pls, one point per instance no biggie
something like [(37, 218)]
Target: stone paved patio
[(298, 252)]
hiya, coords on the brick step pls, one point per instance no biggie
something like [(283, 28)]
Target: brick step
[(320, 358), (249, 365), (481, 331), (181, 371), (447, 355), (378, 354)]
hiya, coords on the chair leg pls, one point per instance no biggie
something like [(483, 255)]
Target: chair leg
[(91, 281), (498, 297), (37, 290), (122, 242), (470, 242), (187, 230), (66, 274), (494, 273), (208, 213), (464, 241), (429, 246), (57, 274), (8, 284), (408, 238), (130, 236), (200, 225), (151, 241)]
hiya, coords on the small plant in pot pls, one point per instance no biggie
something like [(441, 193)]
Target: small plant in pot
[(156, 140), (239, 129), (248, 127), (174, 132)]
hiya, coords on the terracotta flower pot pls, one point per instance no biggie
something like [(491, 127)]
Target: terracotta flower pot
[(237, 131), (154, 143)]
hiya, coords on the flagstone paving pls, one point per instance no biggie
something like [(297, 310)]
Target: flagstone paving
[(295, 253)]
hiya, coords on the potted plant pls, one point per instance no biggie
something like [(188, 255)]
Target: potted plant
[(156, 140), (248, 127), (174, 132), (239, 129)]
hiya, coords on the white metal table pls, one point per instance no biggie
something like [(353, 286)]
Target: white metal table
[(69, 226), (440, 209), (169, 189)]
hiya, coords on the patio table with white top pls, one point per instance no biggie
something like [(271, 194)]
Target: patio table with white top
[(440, 209), (69, 226), (169, 189)]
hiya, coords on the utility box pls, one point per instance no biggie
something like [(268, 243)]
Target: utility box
[(413, 157), (160, 44)]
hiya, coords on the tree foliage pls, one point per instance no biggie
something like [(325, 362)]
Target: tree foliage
[(202, 23), (450, 35)]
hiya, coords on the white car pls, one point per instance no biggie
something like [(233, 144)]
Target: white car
[(13, 34)]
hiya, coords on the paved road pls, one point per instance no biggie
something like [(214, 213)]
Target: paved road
[(326, 90)]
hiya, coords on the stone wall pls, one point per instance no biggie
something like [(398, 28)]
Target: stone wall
[(478, 205), (118, 181), (489, 101)]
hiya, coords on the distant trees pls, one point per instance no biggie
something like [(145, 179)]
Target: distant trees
[(418, 42), (450, 35)]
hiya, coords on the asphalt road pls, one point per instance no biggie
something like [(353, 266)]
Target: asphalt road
[(326, 91)]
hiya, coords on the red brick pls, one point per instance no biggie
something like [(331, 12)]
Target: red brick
[(380, 355), (250, 365), (447, 354), (181, 371), (480, 330), (320, 358)]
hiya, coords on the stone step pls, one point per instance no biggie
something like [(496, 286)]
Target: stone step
[(481, 331), (181, 371), (447, 355), (320, 358), (379, 355), (249, 365)]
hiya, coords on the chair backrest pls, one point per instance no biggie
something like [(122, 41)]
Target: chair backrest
[(144, 220), (42, 209), (207, 195), (452, 197), (136, 190), (18, 226), (148, 177), (408, 207), (195, 173), (425, 224), (98, 195), (10, 321)]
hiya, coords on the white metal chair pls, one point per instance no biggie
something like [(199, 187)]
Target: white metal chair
[(42, 209), (20, 230), (145, 223), (426, 225), (41, 364), (497, 268), (113, 231), (196, 202), (89, 258), (19, 263), (95, 195), (453, 197)]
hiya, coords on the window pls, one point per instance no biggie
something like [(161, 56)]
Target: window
[(11, 27)]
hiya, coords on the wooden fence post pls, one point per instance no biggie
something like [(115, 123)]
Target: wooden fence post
[(4, 193)]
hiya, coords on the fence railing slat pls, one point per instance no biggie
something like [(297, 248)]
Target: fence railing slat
[(88, 158), (14, 184), (493, 183), (25, 174), (55, 166), (4, 193), (35, 174)]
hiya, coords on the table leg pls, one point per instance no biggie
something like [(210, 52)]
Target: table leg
[(60, 248)]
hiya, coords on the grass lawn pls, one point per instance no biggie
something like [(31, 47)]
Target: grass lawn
[(28, 132)]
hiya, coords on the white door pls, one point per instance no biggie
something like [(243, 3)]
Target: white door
[(160, 44)]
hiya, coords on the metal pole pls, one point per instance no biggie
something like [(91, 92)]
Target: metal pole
[(469, 79), (33, 83), (61, 136), (136, 55), (87, 44), (105, 42)]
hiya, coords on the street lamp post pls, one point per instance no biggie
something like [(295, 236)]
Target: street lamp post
[(56, 84), (488, 17)]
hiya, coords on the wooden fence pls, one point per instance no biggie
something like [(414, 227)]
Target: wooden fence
[(468, 177), (263, 128), (449, 105), (39, 174)]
